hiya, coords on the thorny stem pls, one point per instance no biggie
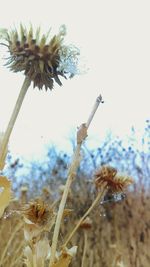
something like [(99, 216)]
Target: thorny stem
[(13, 118), (85, 249), (99, 196), (71, 173)]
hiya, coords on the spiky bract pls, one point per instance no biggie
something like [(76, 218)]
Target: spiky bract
[(43, 60)]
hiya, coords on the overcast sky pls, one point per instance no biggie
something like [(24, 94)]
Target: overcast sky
[(113, 37)]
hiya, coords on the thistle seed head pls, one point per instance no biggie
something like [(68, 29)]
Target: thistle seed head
[(42, 59)]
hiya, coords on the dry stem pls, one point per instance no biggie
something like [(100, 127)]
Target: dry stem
[(34, 255), (71, 173), (85, 249), (13, 118), (99, 196)]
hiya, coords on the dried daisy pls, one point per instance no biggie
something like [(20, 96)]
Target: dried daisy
[(115, 183), (37, 213), (41, 58), (38, 217)]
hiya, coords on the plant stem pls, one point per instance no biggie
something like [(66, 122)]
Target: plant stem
[(95, 107), (34, 255), (99, 196), (85, 249), (13, 118), (71, 173)]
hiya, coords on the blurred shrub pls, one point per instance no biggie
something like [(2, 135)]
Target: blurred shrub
[(131, 157)]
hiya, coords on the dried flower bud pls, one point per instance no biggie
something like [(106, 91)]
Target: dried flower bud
[(108, 175)]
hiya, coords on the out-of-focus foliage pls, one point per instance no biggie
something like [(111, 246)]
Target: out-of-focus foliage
[(131, 157)]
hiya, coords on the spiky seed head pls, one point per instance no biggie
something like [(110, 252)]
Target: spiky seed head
[(42, 59), (37, 213), (108, 175)]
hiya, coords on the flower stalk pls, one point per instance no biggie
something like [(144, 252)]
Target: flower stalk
[(81, 135), (98, 198), (85, 248), (12, 121)]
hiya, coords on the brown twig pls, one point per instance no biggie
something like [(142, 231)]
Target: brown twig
[(81, 135)]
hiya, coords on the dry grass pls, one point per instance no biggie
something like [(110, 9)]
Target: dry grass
[(120, 231)]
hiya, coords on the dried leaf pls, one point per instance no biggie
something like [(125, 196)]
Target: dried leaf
[(5, 195), (65, 257), (63, 261)]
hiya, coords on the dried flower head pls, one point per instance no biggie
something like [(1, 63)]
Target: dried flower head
[(37, 213), (42, 59), (108, 175)]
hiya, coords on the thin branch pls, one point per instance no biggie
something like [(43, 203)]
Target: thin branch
[(81, 135)]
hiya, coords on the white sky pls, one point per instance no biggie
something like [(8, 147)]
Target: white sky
[(115, 45)]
